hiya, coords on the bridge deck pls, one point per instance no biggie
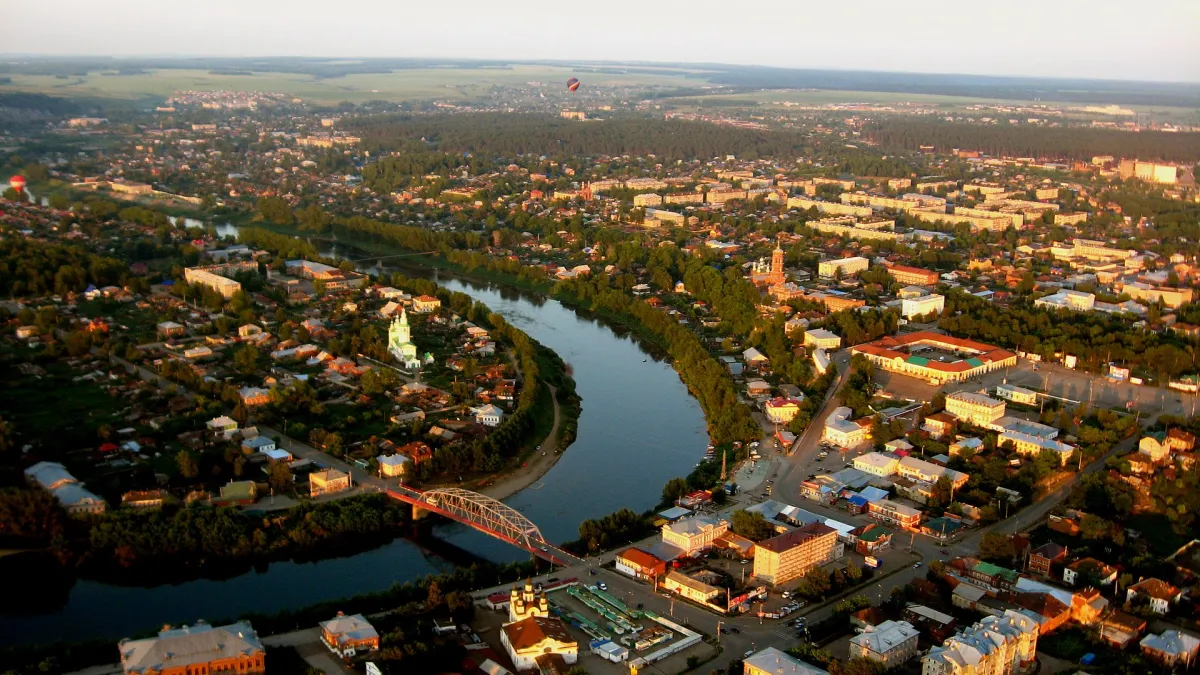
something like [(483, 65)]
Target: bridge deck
[(523, 535)]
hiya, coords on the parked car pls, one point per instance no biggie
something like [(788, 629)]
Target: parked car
[(748, 654), (601, 585)]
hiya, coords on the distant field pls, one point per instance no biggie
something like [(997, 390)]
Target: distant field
[(776, 99), (399, 85)]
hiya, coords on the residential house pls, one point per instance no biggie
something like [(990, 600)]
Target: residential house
[(348, 636), (822, 338), (1089, 571), (488, 415), (889, 644), (937, 625), (755, 359), (327, 481), (1159, 593), (263, 444), (1120, 629), (1042, 557), (243, 493), (781, 410), (939, 425), (841, 430), (255, 396), (424, 304), (391, 466), (222, 426), (193, 650), (417, 451), (1171, 647), (168, 329)]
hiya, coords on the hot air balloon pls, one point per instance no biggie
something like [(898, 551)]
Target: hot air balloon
[(17, 183), (572, 84)]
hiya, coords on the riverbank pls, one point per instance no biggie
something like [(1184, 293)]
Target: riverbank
[(528, 475)]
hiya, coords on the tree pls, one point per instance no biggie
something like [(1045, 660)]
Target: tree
[(433, 599), (996, 546), (815, 583), (246, 360), (188, 468), (674, 489), (752, 525), (279, 476), (7, 436)]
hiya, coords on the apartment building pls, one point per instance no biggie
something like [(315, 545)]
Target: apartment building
[(1005, 644), (1017, 218), (1147, 294), (835, 208), (974, 408), (1070, 218), (990, 223), (1151, 172), (647, 199), (210, 279), (1032, 446), (847, 266), (1067, 299), (1090, 249), (922, 305), (867, 228), (684, 198), (789, 556), (913, 275)]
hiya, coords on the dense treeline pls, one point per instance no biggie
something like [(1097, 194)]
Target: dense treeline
[(1095, 339), (285, 246), (492, 134), (35, 268), (1072, 143)]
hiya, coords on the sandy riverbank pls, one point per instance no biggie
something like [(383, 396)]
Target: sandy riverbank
[(538, 465)]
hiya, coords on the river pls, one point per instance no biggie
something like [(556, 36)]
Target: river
[(639, 428)]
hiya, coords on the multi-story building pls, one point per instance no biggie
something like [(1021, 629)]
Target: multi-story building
[(532, 641), (1147, 294), (906, 203), (877, 463), (334, 279), (647, 199), (722, 196), (1152, 172), (847, 266), (928, 472), (347, 636), (684, 198), (997, 645), (1031, 445), (781, 410), (887, 511), (327, 481), (1017, 218), (195, 650), (992, 223), (664, 216), (1067, 299), (425, 304), (889, 643), (843, 431), (1091, 249), (771, 661), (898, 355), (1159, 593), (1171, 647), (859, 227), (210, 279), (1071, 218), (913, 275), (922, 305), (789, 556), (820, 337), (1015, 394), (695, 534), (835, 208), (974, 408)]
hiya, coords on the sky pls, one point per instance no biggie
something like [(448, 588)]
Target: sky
[(1156, 40)]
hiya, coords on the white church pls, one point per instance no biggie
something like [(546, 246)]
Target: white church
[(400, 344)]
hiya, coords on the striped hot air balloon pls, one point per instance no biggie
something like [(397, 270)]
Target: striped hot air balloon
[(572, 84)]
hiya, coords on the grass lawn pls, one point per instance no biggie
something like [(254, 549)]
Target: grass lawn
[(399, 85)]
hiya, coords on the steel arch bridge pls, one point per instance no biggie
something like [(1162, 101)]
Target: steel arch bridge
[(490, 516)]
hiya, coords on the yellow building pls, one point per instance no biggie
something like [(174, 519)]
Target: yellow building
[(977, 409), (819, 337), (789, 556), (848, 266), (327, 481), (647, 199), (991, 223), (695, 534), (687, 587)]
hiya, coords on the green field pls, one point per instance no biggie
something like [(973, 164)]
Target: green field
[(778, 98), (398, 85)]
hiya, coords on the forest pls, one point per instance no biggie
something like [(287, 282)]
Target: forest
[(492, 134), (30, 268), (1063, 143)]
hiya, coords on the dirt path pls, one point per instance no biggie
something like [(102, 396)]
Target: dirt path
[(543, 459)]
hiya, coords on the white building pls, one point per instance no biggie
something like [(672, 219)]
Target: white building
[(695, 534), (1011, 392), (974, 408), (824, 339), (925, 304), (771, 661), (527, 639), (393, 465), (488, 415), (890, 643), (996, 645), (1068, 299)]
